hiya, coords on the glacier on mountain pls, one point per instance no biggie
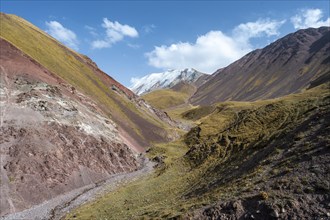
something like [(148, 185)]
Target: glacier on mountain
[(165, 79)]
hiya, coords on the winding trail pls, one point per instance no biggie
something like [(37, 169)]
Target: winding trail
[(59, 206)]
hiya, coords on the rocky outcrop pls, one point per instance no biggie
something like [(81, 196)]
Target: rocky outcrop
[(268, 162), (53, 138), (82, 75), (64, 122)]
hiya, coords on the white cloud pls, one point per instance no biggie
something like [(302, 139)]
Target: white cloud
[(134, 46), (309, 18), (261, 27), (214, 49), (208, 53), (114, 32), (101, 44), (149, 28), (65, 35), (92, 31)]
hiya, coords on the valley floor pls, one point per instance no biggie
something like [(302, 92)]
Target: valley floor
[(57, 207), (244, 160)]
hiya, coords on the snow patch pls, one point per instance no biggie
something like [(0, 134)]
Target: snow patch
[(163, 80)]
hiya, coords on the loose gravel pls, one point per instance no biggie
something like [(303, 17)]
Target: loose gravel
[(59, 206)]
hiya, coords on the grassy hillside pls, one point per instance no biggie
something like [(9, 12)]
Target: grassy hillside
[(174, 100), (178, 111), (165, 98), (251, 158), (77, 71), (168, 99)]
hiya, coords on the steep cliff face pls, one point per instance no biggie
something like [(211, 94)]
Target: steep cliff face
[(64, 123), (286, 66)]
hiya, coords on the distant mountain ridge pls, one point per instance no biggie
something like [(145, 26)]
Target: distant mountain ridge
[(164, 80), (290, 64)]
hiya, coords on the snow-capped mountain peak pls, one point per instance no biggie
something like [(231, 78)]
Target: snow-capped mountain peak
[(165, 79)]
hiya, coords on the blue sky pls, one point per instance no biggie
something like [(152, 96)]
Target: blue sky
[(129, 39)]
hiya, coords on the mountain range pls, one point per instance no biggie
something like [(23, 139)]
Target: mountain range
[(165, 80), (249, 141)]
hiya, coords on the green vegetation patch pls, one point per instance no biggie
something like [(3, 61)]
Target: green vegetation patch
[(157, 195), (234, 152), (165, 98)]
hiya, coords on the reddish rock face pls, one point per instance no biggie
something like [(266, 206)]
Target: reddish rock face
[(52, 139)]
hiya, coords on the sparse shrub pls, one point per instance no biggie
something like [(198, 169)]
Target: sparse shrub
[(298, 189), (322, 186), (11, 179), (278, 150), (304, 181), (308, 189), (264, 195), (299, 136), (287, 170), (274, 172)]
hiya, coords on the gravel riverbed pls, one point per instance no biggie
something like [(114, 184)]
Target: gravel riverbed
[(57, 207)]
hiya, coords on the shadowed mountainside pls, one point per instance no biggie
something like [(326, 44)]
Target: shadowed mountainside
[(269, 160), (288, 65)]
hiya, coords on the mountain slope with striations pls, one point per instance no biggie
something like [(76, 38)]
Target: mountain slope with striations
[(64, 123), (286, 66)]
